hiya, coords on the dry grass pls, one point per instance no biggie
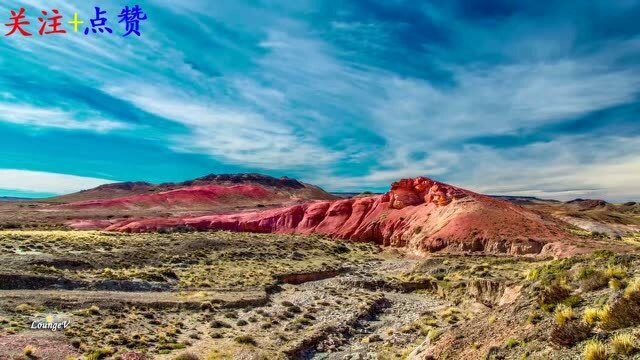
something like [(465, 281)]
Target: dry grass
[(615, 272), (570, 333), (595, 350), (554, 294), (29, 351), (623, 344), (563, 314), (633, 289), (246, 340), (592, 315)]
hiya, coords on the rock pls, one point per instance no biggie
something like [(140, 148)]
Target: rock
[(372, 338), (421, 214), (422, 351), (478, 308), (486, 291), (510, 295)]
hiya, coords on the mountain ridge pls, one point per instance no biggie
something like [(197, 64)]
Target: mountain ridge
[(133, 188)]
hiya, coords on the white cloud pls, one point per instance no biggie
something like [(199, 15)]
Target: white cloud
[(238, 136), (299, 91), (565, 168), (46, 182), (40, 117), (502, 99)]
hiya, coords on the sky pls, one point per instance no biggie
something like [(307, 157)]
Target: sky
[(526, 98)]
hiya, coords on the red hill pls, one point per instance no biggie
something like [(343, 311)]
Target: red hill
[(188, 197), (208, 192), (420, 214), (283, 187)]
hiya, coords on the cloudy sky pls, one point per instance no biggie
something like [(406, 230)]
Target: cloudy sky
[(509, 97)]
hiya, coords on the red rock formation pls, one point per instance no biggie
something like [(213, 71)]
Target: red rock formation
[(188, 197), (420, 214)]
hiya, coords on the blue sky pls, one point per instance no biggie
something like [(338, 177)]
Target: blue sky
[(511, 97)]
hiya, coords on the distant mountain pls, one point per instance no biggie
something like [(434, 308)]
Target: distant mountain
[(204, 192), (585, 204), (523, 200), (593, 215), (11, 198), (347, 195)]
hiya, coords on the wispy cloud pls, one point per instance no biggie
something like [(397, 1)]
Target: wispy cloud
[(237, 135), (351, 94), (40, 117)]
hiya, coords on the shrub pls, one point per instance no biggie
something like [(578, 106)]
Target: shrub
[(100, 354), (534, 317), (615, 272), (592, 315), (511, 343), (623, 344), (585, 273), (615, 284), (23, 308), (595, 350), (563, 314), (433, 335), (246, 340), (29, 351), (595, 280), (216, 324), (553, 294), (622, 313), (572, 301), (532, 274), (231, 315), (570, 333), (603, 254), (633, 289)]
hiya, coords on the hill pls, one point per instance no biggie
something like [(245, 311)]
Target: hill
[(284, 186), (101, 206), (421, 214), (592, 215)]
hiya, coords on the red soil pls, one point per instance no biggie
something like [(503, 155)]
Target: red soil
[(420, 214), (187, 197)]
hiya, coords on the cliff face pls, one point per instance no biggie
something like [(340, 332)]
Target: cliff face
[(420, 214)]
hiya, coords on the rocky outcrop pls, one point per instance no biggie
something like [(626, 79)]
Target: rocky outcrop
[(421, 214)]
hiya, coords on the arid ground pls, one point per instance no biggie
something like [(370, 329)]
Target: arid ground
[(222, 295)]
